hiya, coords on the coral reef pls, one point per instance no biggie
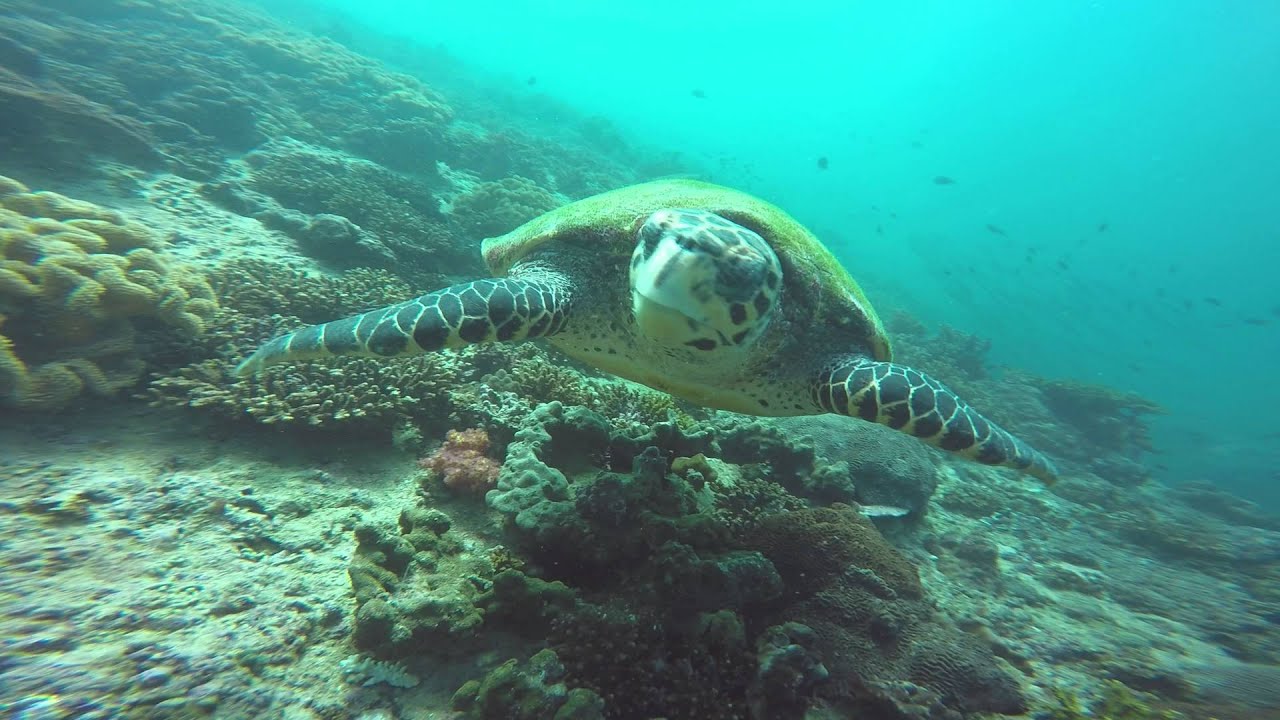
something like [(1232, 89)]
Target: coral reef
[(542, 378), (493, 208), (351, 391), (207, 80), (462, 463), (532, 690), (827, 458), (825, 568), (50, 125), (77, 282), (1109, 420), (260, 289), (656, 560), (368, 671), (411, 594), (872, 628), (342, 392), (400, 210)]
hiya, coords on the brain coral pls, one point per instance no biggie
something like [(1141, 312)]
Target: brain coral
[(75, 278)]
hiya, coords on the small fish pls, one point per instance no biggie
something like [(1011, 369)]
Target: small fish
[(1276, 311), (1063, 265), (891, 511), (1159, 292), (916, 144), (699, 93), (893, 216), (1186, 304), (880, 230), (1259, 322), (996, 230), (531, 81), (823, 163), (1213, 301), (943, 180), (1102, 227)]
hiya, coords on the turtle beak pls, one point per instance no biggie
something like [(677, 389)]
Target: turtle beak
[(659, 322), (665, 305)]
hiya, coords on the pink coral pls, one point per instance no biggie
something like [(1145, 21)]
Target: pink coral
[(462, 462)]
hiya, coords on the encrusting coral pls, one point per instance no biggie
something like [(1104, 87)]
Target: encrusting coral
[(75, 279)]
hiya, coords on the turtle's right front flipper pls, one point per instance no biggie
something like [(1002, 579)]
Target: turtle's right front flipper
[(498, 309)]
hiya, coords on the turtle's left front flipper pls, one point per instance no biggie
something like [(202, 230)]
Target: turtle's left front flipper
[(910, 401), (495, 310)]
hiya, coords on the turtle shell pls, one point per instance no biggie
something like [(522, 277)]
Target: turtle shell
[(816, 285)]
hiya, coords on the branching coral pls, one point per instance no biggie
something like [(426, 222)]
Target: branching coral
[(345, 391), (627, 405), (75, 282)]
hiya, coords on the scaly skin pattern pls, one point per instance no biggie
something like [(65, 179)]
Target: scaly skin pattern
[(914, 403), (496, 310)]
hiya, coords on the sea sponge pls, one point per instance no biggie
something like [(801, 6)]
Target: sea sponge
[(76, 280)]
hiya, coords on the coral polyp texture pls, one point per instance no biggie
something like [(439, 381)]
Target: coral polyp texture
[(462, 463), (76, 283)]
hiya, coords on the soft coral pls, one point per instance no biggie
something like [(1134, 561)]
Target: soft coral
[(462, 462)]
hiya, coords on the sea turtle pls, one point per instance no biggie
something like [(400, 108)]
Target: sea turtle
[(694, 289)]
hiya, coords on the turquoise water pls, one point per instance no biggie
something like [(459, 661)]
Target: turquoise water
[(1115, 165)]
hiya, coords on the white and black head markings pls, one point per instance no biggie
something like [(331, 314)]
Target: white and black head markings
[(701, 281)]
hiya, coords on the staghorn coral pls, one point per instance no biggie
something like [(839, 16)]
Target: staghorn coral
[(76, 283), (493, 208)]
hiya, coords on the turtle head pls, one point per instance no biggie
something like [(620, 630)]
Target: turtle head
[(701, 281)]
